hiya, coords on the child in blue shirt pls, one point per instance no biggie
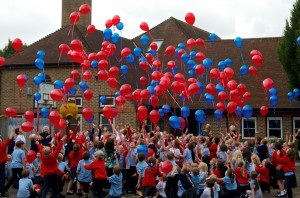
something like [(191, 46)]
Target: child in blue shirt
[(64, 168), (116, 181), (26, 188), (84, 176), (230, 184), (37, 165), (140, 169), (8, 171), (222, 155)]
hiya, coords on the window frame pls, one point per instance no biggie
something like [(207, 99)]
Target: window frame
[(295, 118), (75, 98), (158, 46), (105, 105), (281, 127), (244, 127), (100, 120)]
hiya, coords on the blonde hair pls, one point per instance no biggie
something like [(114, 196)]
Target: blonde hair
[(203, 167), (60, 157), (32, 137), (241, 164), (46, 150), (237, 155), (255, 159), (99, 154)]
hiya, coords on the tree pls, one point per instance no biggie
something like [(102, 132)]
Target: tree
[(288, 52), (8, 49)]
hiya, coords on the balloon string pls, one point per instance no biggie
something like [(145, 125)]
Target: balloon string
[(233, 119), (20, 100), (50, 128), (241, 53)]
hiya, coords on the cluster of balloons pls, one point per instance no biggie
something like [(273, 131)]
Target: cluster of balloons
[(293, 94)]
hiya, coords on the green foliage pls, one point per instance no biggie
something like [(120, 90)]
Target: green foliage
[(288, 51), (8, 49)]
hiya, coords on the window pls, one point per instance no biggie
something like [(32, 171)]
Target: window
[(74, 122), (274, 127), (249, 127), (104, 121), (48, 79), (77, 100), (296, 124), (109, 101), (159, 43)]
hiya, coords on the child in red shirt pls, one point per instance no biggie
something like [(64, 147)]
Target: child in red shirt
[(241, 177), (264, 178)]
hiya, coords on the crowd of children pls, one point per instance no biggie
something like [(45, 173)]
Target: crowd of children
[(114, 163)]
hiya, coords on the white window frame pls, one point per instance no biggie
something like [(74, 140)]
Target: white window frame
[(294, 125), (245, 127), (114, 102), (281, 127), (80, 127), (159, 43), (100, 120), (76, 98)]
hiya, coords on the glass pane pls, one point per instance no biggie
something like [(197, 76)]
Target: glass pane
[(297, 123), (249, 133), (275, 133), (275, 124), (104, 121), (108, 101), (251, 123)]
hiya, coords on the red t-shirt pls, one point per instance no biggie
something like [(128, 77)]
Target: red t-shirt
[(218, 174), (74, 159), (98, 167), (213, 151), (263, 174), (3, 147), (288, 165), (150, 176), (239, 176)]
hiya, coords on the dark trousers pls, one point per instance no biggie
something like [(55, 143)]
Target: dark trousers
[(60, 184), (97, 187), (264, 186), (15, 178), (2, 177), (171, 187), (242, 189), (49, 182), (130, 181), (85, 186)]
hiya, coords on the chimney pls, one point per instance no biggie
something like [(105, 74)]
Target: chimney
[(69, 6)]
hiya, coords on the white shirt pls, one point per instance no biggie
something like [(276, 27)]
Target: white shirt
[(20, 138), (176, 152)]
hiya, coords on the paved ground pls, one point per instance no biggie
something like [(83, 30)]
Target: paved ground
[(296, 191)]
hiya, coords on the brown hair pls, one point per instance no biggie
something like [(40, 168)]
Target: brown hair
[(291, 153), (86, 155), (19, 144), (254, 176), (141, 157), (25, 173), (117, 170)]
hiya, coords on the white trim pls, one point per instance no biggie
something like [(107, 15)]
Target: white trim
[(243, 128), (80, 128), (100, 120), (76, 98), (294, 127), (108, 97), (281, 128), (159, 43)]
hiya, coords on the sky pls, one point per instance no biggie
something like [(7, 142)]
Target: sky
[(31, 20)]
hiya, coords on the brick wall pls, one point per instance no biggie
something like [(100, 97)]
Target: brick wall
[(69, 6)]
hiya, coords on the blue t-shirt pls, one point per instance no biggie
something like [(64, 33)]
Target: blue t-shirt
[(132, 156), (181, 190), (37, 163), (187, 156), (222, 155), (30, 168), (17, 157), (206, 151), (116, 185), (228, 184), (141, 167), (63, 166), (8, 171), (121, 161), (84, 175), (197, 180), (25, 185)]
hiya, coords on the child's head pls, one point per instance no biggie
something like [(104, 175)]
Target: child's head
[(170, 155), (240, 163), (291, 153), (141, 157), (19, 144), (25, 173), (117, 170), (86, 155), (121, 149), (151, 162), (99, 155), (253, 175), (60, 157), (132, 145), (203, 167), (266, 163), (196, 171), (213, 161), (210, 183), (255, 159), (76, 148), (185, 170), (223, 147), (46, 150), (8, 157), (230, 174), (32, 137)]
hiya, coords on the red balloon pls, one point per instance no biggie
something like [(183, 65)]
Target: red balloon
[(156, 64), (223, 76), (200, 43), (87, 75), (144, 26), (222, 96), (84, 9), (268, 84), (154, 101), (54, 117), (90, 29), (144, 65), (75, 56), (159, 90), (176, 87), (156, 75), (264, 110), (120, 100), (109, 112), (257, 60), (86, 64), (103, 64), (182, 123), (241, 88), (108, 23), (102, 75), (191, 43), (74, 74), (69, 83), (74, 17), (200, 56), (200, 69), (125, 89), (231, 106), (255, 52), (150, 153), (136, 94), (111, 48), (27, 126), (192, 80), (193, 89), (171, 64), (169, 75), (220, 106), (129, 97), (166, 166), (252, 70), (113, 72), (125, 52), (211, 89), (229, 72), (88, 94), (154, 116), (10, 112), (179, 77), (17, 44), (232, 85), (246, 96), (21, 80), (64, 48), (145, 94), (190, 18), (87, 113), (56, 95), (180, 52), (142, 113), (30, 156), (234, 95), (61, 123), (149, 57), (116, 19), (29, 116), (143, 80), (154, 46), (214, 73), (170, 50), (112, 82), (2, 61)]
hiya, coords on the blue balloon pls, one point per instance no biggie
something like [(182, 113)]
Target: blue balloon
[(73, 91), (161, 112), (151, 89), (142, 59), (175, 70), (193, 54), (166, 108), (175, 122), (37, 96), (212, 37), (296, 92), (207, 63), (37, 80), (247, 111), (191, 64), (42, 76), (124, 69), (201, 88), (238, 41), (185, 57), (39, 63), (58, 84), (83, 86), (90, 120), (290, 96), (115, 37), (273, 91), (191, 73), (153, 83), (26, 77), (137, 51), (120, 26), (181, 46), (228, 62), (102, 99), (298, 41), (41, 54), (144, 40), (274, 101), (221, 65), (200, 116), (129, 58), (117, 94), (182, 98), (107, 33), (45, 112), (209, 99), (218, 114), (142, 148), (219, 88), (185, 111), (238, 111), (244, 70), (153, 52), (176, 52)]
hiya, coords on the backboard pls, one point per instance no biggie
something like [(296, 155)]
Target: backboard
[(46, 100)]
